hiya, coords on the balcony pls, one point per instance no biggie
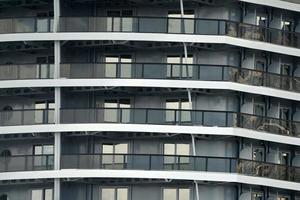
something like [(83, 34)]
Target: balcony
[(180, 117), (195, 26), (26, 117), (26, 163), (26, 25), (196, 72), (26, 71), (181, 163)]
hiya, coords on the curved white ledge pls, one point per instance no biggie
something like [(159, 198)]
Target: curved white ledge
[(156, 37), (221, 85), (177, 175), (113, 127), (276, 4)]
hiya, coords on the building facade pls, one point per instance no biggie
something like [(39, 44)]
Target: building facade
[(150, 100)]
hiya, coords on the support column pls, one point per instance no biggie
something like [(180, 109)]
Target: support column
[(56, 9), (57, 136)]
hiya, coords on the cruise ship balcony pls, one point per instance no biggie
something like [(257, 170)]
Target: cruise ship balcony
[(245, 21), (26, 106)]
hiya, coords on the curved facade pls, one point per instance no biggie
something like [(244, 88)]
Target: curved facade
[(150, 100)]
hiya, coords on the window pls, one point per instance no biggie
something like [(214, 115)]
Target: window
[(45, 67), (176, 194), (261, 21), (41, 115), (114, 193), (175, 69), (287, 25), (178, 25), (178, 116), (120, 20), (113, 113), (114, 159), (118, 66), (43, 156), (172, 161), (42, 194)]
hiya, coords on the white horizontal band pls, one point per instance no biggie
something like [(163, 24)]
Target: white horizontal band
[(154, 37), (276, 4), (112, 127), (176, 175), (221, 85)]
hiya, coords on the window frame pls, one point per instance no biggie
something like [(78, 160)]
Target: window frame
[(115, 188)]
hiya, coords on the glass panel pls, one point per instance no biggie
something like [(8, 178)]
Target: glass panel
[(44, 71), (42, 25), (170, 114), (110, 115), (48, 149), (122, 194), (127, 24), (121, 148), (210, 73), (184, 194), (125, 103), (209, 27), (183, 149), (169, 149), (110, 66), (125, 71), (48, 194), (117, 24), (107, 149), (169, 194), (108, 194), (38, 150), (37, 195)]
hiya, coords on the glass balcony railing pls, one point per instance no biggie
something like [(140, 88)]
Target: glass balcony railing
[(26, 163), (26, 71), (188, 163), (26, 25), (180, 117), (26, 117), (180, 26), (180, 72)]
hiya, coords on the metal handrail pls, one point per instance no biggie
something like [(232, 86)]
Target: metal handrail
[(181, 162)]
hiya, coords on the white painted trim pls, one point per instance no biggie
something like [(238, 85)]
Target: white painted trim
[(225, 85), (112, 127), (276, 4), (156, 37), (153, 174)]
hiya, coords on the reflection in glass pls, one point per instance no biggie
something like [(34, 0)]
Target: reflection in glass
[(108, 194), (169, 194)]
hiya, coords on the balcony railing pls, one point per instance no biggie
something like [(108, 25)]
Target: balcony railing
[(26, 71), (180, 117), (180, 26), (26, 117), (188, 163), (26, 25), (180, 72), (26, 163)]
